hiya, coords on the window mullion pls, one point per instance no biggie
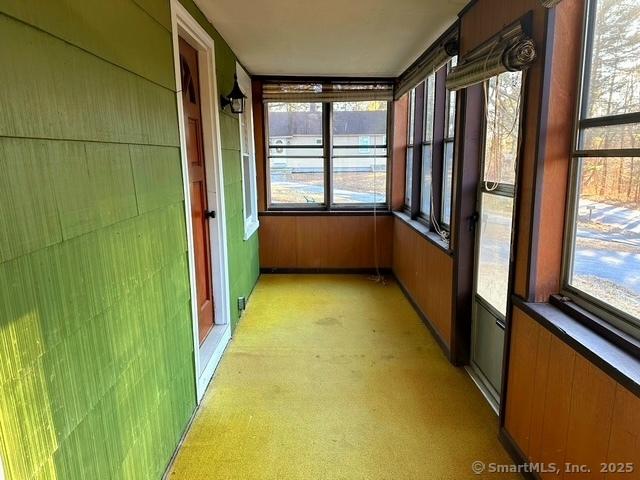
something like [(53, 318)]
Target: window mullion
[(418, 135), (327, 140)]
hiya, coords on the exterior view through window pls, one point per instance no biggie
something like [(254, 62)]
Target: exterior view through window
[(449, 142), (298, 163), (495, 206), (427, 146), (497, 188), (411, 124), (296, 153), (359, 152), (602, 255), (430, 152)]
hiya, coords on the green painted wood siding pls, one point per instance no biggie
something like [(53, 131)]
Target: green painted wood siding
[(96, 347)]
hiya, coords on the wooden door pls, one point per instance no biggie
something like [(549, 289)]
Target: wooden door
[(200, 214)]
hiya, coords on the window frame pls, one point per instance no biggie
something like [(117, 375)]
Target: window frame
[(445, 224), (439, 139), (411, 137), (428, 100), (327, 157), (249, 178), (613, 316)]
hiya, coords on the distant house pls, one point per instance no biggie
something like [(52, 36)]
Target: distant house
[(365, 129)]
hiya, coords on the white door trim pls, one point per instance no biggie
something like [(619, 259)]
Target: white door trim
[(185, 26)]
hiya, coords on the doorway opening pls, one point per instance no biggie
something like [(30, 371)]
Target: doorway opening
[(494, 231)]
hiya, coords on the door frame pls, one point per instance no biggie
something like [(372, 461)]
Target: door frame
[(185, 26), (474, 372)]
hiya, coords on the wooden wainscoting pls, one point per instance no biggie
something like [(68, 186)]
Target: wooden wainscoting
[(324, 241), (425, 272), (563, 408)]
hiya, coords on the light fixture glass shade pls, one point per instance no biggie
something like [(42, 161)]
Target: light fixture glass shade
[(237, 105), (235, 98)]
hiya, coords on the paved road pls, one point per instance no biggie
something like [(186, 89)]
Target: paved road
[(343, 196), (622, 268), (625, 219), (617, 260)]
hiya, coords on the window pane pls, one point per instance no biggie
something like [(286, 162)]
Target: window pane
[(429, 107), (412, 116), (451, 115), (450, 129), (295, 135), (606, 254), (612, 136), (408, 187), (297, 180), (447, 183), (359, 157), (425, 191), (361, 124), (613, 80), (294, 124), (248, 186), (360, 180), (494, 250), (503, 122)]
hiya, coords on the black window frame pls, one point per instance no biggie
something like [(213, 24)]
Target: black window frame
[(445, 223), (327, 157), (429, 101), (616, 319), (437, 144)]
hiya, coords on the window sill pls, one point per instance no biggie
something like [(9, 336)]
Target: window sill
[(617, 362), (424, 232), (250, 227)]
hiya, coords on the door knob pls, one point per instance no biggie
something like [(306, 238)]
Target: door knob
[(210, 214)]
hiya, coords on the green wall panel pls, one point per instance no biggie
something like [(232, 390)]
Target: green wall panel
[(229, 131), (155, 170), (158, 9), (125, 35), (51, 89), (93, 184), (96, 349), (27, 201)]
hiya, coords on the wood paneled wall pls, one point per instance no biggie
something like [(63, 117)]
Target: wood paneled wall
[(562, 408), (325, 241), (558, 105), (425, 271)]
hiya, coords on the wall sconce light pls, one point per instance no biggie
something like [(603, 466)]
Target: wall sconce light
[(235, 98)]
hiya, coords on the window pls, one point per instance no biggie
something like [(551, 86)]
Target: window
[(427, 146), (410, 144), (431, 117), (247, 151), (497, 188), (343, 165), (602, 253), (447, 164), (359, 152), (296, 153)]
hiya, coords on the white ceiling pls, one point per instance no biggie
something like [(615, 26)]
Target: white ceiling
[(330, 37)]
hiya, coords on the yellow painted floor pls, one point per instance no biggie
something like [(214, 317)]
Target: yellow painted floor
[(335, 377)]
